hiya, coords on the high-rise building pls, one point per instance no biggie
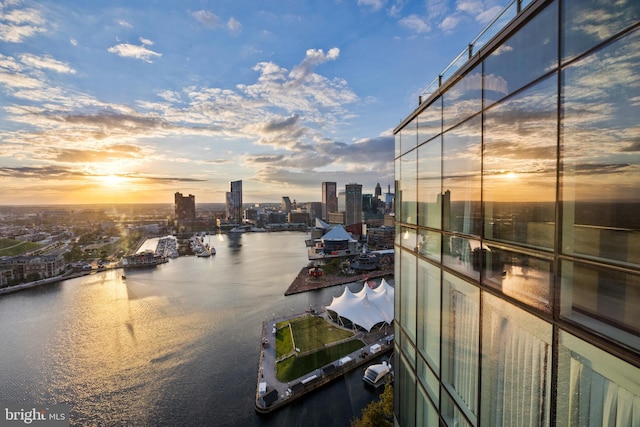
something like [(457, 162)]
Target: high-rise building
[(184, 207), (517, 266), (286, 204), (378, 191), (353, 204), (329, 199), (234, 202)]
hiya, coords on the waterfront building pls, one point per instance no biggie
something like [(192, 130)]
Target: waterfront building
[(185, 207), (286, 204), (234, 202), (31, 267), (353, 204), (329, 199), (517, 264)]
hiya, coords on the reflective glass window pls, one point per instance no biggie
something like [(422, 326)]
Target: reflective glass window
[(429, 244), (428, 342), (430, 121), (409, 136), (430, 184), (528, 54), (427, 414), (463, 255), (428, 380), (406, 384), (463, 99), (408, 238), (397, 144), (602, 299), (520, 163), (460, 342), (516, 365), (520, 276), (589, 22), (461, 177), (594, 387), (407, 192), (601, 154), (408, 299)]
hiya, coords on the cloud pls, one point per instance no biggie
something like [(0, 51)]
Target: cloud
[(46, 62), (415, 24), (206, 18), (19, 24), (127, 50), (373, 4), (234, 26)]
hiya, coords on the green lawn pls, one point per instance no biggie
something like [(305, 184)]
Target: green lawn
[(309, 333), (10, 247), (294, 367)]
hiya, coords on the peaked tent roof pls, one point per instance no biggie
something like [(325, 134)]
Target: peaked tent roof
[(367, 307), (321, 224), (338, 233)]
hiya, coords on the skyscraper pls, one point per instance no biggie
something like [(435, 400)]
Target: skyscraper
[(286, 204), (234, 202), (329, 198), (184, 207), (353, 204), (517, 236)]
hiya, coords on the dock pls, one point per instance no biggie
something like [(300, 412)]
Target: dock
[(271, 394), (304, 283)]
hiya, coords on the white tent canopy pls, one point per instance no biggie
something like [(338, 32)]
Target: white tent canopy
[(367, 307)]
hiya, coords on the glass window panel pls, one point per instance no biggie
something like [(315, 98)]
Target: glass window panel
[(463, 255), (408, 238), (601, 154), (429, 313), (430, 184), (408, 298), (528, 54), (594, 387), (426, 414), (429, 380), (461, 177), (409, 136), (407, 191), (430, 121), (602, 299), (397, 290), (397, 144), (590, 22), (429, 244), (520, 276), (452, 413), (463, 99), (407, 394), (520, 163), (516, 366), (460, 342)]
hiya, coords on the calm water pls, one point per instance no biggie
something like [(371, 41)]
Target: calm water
[(173, 345)]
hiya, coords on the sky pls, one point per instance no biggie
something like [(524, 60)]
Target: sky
[(132, 101)]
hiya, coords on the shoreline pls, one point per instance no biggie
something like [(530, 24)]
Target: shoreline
[(304, 283)]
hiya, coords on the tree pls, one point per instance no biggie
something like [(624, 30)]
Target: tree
[(378, 413)]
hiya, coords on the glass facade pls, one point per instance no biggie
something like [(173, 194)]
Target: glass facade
[(518, 228)]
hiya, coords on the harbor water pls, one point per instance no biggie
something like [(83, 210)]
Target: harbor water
[(174, 345)]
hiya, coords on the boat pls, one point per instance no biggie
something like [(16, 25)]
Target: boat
[(378, 374), (237, 230), (204, 253)]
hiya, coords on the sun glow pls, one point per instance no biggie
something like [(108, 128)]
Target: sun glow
[(111, 180)]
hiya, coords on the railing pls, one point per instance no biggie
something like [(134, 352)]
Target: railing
[(499, 22)]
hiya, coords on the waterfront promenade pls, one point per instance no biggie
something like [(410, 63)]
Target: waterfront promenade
[(304, 283)]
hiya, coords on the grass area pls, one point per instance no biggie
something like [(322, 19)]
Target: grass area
[(10, 247), (294, 367), (309, 333), (284, 340)]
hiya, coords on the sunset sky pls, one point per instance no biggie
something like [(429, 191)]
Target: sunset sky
[(131, 101)]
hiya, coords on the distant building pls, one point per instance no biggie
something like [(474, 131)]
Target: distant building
[(353, 204), (315, 210), (286, 204), (234, 202), (378, 191), (26, 267), (298, 217), (329, 199), (185, 207)]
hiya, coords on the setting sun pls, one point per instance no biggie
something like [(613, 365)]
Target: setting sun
[(111, 180)]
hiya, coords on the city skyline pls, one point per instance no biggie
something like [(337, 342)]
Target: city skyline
[(101, 104)]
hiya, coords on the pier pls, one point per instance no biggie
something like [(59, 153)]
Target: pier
[(304, 283), (272, 394)]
